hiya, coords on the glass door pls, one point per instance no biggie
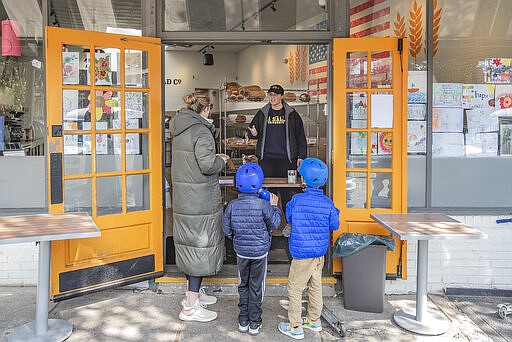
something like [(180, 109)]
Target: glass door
[(105, 156)]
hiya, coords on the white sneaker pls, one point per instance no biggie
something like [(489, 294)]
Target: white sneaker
[(204, 299), (200, 314)]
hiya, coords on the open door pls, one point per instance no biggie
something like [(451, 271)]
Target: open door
[(370, 138), (105, 156)]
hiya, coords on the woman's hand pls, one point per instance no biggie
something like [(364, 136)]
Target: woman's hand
[(224, 157)]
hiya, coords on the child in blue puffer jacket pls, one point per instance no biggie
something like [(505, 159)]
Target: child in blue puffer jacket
[(248, 221), (313, 216)]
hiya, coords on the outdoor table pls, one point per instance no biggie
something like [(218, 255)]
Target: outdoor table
[(423, 227), (44, 228)]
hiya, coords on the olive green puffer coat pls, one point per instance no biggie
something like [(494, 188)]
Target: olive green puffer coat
[(196, 198)]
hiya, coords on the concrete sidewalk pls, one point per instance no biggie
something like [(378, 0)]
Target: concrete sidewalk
[(140, 314)]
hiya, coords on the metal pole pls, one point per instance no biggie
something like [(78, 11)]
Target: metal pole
[(43, 288), (421, 280)]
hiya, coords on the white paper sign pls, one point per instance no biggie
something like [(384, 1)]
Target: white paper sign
[(382, 110)]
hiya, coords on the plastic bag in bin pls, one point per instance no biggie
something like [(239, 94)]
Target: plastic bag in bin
[(350, 243)]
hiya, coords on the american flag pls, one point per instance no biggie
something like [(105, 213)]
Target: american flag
[(317, 71), (370, 18)]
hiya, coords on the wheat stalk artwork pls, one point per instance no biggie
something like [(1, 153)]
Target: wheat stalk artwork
[(437, 21), (417, 39), (304, 64), (400, 26), (297, 63), (415, 30), (291, 67)]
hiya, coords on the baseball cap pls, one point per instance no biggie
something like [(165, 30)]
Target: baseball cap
[(276, 88)]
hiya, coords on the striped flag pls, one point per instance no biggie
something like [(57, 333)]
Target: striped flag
[(317, 71), (370, 18)]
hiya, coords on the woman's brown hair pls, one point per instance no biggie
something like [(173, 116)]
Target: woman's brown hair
[(197, 101)]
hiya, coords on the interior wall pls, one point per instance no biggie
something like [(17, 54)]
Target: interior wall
[(265, 65), (188, 67)]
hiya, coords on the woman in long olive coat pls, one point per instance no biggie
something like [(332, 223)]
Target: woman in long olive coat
[(196, 198)]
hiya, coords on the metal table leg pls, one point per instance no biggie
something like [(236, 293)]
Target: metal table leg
[(420, 321), (42, 329)]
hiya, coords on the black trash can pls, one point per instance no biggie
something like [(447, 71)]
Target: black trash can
[(364, 275)]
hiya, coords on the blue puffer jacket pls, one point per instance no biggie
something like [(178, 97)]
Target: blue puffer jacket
[(313, 216), (248, 221)]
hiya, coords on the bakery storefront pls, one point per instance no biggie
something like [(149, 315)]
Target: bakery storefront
[(407, 101)]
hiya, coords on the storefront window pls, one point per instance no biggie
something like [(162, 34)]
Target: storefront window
[(22, 124), (244, 15), (471, 96), (472, 104), (114, 16), (403, 18)]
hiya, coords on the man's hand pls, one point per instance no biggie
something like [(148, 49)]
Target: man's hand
[(273, 199), (253, 130), (299, 161)]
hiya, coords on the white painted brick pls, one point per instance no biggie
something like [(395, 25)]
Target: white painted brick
[(21, 275)]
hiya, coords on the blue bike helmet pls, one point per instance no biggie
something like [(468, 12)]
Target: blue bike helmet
[(249, 178), (314, 172)]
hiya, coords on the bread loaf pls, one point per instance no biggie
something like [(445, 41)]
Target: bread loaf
[(289, 97), (256, 95), (240, 118), (304, 97)]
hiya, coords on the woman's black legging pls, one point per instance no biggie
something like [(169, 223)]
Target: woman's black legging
[(194, 283)]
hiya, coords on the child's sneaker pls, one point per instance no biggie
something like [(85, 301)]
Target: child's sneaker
[(243, 327), (287, 329), (254, 328), (312, 325)]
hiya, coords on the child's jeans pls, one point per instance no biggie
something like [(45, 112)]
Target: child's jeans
[(305, 272)]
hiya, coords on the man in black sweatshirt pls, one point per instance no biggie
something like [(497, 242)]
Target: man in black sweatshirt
[(281, 142)]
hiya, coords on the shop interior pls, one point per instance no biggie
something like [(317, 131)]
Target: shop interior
[(237, 78)]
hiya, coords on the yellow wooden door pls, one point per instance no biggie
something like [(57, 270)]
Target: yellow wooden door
[(104, 156), (370, 138)]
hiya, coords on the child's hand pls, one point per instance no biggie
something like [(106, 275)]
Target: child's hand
[(273, 199)]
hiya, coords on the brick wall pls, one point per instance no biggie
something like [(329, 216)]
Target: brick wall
[(18, 264), (457, 263)]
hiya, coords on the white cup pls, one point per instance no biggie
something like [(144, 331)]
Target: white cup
[(292, 176)]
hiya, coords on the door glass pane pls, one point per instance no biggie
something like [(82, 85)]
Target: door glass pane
[(109, 195), (108, 109), (137, 151), (77, 195), (136, 68), (137, 192), (381, 190), (357, 70), (107, 160), (75, 63), (357, 143), (384, 149), (382, 110), (382, 69), (75, 110), (357, 108), (107, 67), (356, 189), (137, 109)]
